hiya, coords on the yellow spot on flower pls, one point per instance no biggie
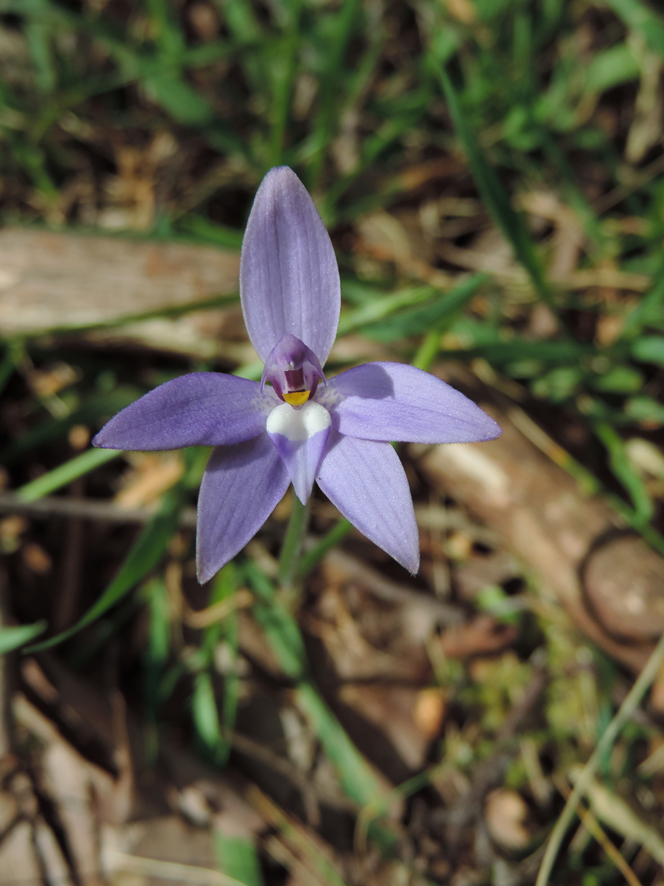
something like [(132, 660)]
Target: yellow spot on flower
[(297, 398)]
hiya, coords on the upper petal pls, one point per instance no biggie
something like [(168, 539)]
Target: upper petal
[(366, 482), (289, 279), (394, 401), (241, 487), (199, 409)]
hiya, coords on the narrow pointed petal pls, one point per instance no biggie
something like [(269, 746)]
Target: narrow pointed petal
[(289, 279), (199, 409), (300, 437), (366, 482), (241, 487), (394, 401)]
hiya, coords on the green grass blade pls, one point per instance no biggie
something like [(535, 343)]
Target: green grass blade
[(64, 474), (648, 309), (330, 540), (142, 558), (357, 779), (225, 585), (178, 99), (155, 659), (638, 16), (237, 858), (325, 124), (381, 308), (13, 637), (433, 315), (494, 195), (279, 627), (205, 715), (284, 638), (644, 508)]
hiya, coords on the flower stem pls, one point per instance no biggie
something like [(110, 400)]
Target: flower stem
[(289, 561), (330, 540)]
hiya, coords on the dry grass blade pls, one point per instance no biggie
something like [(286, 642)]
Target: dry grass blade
[(115, 862), (305, 855), (242, 599), (593, 827), (584, 781)]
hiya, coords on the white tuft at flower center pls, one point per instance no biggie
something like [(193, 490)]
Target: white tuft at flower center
[(298, 424)]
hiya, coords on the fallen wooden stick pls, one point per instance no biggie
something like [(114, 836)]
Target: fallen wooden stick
[(608, 579)]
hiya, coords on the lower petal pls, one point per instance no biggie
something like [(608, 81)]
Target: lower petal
[(366, 481), (241, 487), (300, 437)]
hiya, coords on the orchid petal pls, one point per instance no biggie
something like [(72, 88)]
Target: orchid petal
[(199, 409), (289, 279), (366, 482), (241, 487), (394, 401), (299, 436)]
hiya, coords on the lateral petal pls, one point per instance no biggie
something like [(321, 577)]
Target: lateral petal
[(300, 436), (289, 279), (199, 409), (394, 401), (241, 487), (366, 482)]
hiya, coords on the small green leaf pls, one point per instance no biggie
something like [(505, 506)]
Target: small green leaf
[(13, 637), (237, 858), (205, 714), (645, 409), (638, 16), (178, 99), (611, 67), (648, 309), (559, 384), (649, 349), (619, 380)]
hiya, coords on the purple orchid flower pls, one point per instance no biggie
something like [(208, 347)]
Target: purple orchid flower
[(295, 426)]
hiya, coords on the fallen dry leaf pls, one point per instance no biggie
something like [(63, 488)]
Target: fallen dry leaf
[(391, 709), (151, 475), (429, 711), (482, 636), (36, 558), (18, 858), (8, 810), (505, 812)]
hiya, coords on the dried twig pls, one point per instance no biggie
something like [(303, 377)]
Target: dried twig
[(203, 618), (381, 587), (84, 509)]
